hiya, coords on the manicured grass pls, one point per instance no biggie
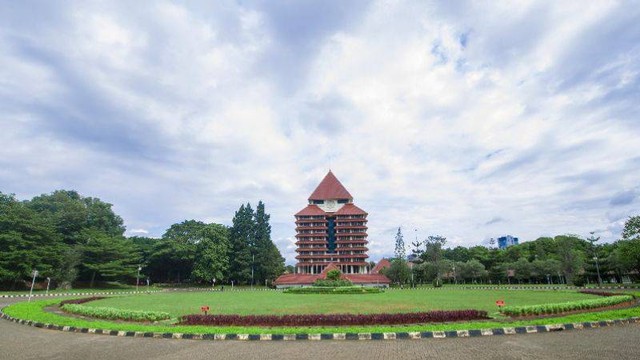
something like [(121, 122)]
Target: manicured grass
[(34, 311), (122, 289), (391, 301)]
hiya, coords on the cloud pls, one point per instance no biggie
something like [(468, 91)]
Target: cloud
[(624, 197), (434, 117)]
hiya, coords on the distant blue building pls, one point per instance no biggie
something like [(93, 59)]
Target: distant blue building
[(506, 241)]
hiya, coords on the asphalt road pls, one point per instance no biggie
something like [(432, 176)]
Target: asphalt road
[(26, 342)]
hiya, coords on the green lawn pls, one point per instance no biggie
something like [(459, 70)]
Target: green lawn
[(391, 301), (34, 311)]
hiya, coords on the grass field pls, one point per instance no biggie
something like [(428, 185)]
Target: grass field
[(391, 301), (34, 311)]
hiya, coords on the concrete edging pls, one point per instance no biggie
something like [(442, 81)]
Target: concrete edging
[(335, 336)]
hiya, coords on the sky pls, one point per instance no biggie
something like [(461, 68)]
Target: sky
[(470, 120)]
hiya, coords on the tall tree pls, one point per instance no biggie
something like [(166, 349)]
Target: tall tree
[(174, 255), (571, 258), (433, 252), (212, 261), (28, 241), (109, 257), (400, 250), (629, 247), (269, 263), (242, 240)]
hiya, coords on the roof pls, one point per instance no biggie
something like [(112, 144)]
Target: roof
[(384, 263), (310, 210), (350, 209), (330, 188), (296, 279)]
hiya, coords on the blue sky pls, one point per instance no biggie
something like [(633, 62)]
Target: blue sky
[(466, 120)]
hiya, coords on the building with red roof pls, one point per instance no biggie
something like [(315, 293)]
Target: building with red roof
[(331, 229), (331, 232)]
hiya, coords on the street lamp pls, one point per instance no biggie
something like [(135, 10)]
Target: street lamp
[(455, 278), (138, 278), (598, 270), (35, 273), (48, 283), (253, 259)]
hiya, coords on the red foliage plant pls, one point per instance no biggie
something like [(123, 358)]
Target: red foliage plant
[(334, 319), (81, 301)]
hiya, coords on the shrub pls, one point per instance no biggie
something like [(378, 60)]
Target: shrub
[(333, 290), (333, 319), (332, 283), (579, 281), (558, 308), (81, 301), (598, 292), (115, 314), (333, 274)]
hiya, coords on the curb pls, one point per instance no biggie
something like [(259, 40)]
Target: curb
[(79, 294), (335, 336)]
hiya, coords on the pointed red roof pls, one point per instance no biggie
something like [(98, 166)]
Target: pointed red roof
[(310, 210), (330, 188), (350, 209), (384, 263)]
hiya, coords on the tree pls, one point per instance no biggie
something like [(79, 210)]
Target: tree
[(400, 251), (522, 269), (109, 257), (269, 262), (173, 256), (472, 269), (212, 261), (433, 251), (631, 229), (570, 256), (629, 247), (399, 272), (242, 239), (28, 242)]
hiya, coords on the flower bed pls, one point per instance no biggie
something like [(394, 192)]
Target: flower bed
[(334, 319), (333, 290), (115, 314), (81, 301), (558, 308)]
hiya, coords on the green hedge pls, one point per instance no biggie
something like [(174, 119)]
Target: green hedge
[(558, 308), (332, 283), (115, 314), (333, 290)]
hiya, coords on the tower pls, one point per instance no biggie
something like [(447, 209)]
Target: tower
[(331, 230)]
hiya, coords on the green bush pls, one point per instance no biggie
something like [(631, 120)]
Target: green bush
[(333, 290), (558, 308), (333, 274), (332, 283), (115, 314)]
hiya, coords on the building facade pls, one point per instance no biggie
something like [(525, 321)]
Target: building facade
[(331, 229), (506, 241)]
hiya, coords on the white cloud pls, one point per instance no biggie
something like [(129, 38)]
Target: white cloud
[(437, 119)]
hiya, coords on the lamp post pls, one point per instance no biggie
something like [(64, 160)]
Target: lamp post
[(138, 278), (598, 271), (35, 273), (548, 279), (455, 278), (48, 283), (253, 259)]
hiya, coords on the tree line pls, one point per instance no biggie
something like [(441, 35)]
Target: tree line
[(563, 259), (73, 239)]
